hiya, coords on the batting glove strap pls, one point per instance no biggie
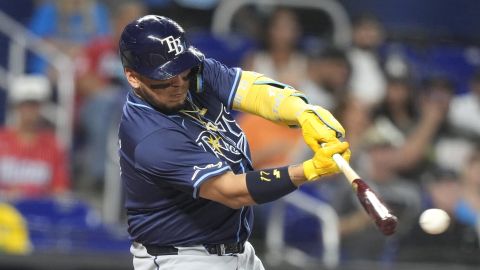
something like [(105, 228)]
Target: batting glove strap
[(269, 185)]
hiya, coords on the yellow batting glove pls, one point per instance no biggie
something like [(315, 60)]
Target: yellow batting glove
[(322, 163), (319, 126)]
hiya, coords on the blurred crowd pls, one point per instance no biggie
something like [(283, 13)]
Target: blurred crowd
[(414, 132), (413, 138)]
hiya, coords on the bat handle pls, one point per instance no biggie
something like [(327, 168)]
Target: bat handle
[(343, 165)]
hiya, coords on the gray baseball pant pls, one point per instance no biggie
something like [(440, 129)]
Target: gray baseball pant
[(195, 258)]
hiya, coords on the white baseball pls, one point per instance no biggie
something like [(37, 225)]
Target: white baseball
[(434, 221)]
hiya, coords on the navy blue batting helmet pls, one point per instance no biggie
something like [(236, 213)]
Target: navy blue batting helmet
[(156, 47)]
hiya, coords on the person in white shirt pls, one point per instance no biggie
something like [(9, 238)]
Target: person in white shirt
[(464, 113), (368, 81)]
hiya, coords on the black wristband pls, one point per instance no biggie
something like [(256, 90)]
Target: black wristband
[(269, 184)]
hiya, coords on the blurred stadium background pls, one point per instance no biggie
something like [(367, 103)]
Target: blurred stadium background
[(403, 76)]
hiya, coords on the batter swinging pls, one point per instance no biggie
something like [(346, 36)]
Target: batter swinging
[(185, 163)]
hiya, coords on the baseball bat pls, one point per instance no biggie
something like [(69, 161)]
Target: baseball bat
[(372, 204)]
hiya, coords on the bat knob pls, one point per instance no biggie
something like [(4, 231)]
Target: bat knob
[(388, 225)]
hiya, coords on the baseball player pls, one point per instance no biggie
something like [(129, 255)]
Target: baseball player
[(185, 163)]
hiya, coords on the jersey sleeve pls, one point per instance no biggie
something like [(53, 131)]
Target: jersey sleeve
[(221, 80), (171, 157)]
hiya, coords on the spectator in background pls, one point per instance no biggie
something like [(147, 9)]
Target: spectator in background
[(356, 117), (68, 25), (396, 116), (328, 75), (368, 80), (281, 60), (448, 141), (102, 90), (467, 209), (464, 111), (251, 28), (413, 138), (441, 189), (32, 163)]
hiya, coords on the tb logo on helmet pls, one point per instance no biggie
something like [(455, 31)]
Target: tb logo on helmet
[(174, 44)]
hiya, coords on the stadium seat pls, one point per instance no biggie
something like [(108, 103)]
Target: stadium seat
[(69, 225)]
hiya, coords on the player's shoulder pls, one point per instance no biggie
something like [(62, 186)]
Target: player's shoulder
[(142, 126), (151, 138), (161, 146), (218, 75), (210, 63), (212, 67), (139, 121)]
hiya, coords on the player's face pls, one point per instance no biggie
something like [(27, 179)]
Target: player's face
[(167, 96)]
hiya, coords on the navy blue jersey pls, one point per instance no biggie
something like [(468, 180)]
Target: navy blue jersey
[(165, 159)]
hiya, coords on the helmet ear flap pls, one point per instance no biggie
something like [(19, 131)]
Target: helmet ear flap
[(129, 59), (196, 78)]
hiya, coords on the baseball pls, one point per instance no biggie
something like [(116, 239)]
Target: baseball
[(434, 221)]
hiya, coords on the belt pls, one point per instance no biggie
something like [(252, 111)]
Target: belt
[(218, 249)]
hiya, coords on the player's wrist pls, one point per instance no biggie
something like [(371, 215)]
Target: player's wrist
[(297, 174), (269, 184)]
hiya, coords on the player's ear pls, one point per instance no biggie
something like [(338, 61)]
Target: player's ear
[(132, 78)]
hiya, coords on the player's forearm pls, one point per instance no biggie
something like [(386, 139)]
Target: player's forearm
[(228, 189), (236, 191), (269, 99)]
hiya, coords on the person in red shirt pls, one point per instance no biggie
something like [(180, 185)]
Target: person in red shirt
[(32, 162)]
